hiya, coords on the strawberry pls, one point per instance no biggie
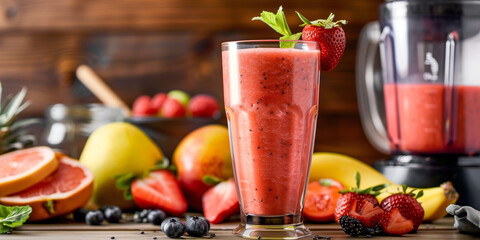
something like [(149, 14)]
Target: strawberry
[(220, 202), (159, 190), (157, 102), (172, 108), (368, 214), (142, 107), (203, 106), (348, 198), (329, 35), (394, 223), (321, 199), (407, 204)]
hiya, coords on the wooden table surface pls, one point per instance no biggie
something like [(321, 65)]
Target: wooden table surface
[(441, 229)]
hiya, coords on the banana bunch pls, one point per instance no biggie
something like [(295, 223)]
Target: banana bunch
[(342, 168)]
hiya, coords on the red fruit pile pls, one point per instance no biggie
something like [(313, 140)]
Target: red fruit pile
[(175, 104), (359, 212)]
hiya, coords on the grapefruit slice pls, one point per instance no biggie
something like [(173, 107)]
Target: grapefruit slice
[(23, 168), (65, 190)]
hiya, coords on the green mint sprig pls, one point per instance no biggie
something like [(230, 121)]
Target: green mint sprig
[(279, 23), (12, 217)]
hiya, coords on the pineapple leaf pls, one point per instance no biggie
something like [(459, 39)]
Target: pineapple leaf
[(1, 105), (24, 122), (11, 110)]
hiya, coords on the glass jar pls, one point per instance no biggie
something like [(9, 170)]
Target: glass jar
[(67, 127)]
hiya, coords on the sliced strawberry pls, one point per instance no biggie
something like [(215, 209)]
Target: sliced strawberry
[(329, 35), (394, 223), (407, 204), (368, 214), (321, 199), (348, 197), (346, 200), (220, 202), (159, 190)]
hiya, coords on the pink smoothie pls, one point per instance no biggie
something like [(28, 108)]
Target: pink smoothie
[(271, 102), (431, 118)]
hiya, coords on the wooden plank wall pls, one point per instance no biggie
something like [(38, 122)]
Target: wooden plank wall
[(146, 46)]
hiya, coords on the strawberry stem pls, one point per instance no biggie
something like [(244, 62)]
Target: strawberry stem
[(325, 23)]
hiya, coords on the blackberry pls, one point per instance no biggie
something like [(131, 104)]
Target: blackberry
[(351, 226)]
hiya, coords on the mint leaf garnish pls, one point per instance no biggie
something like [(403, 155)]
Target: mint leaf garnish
[(278, 22), (12, 217)]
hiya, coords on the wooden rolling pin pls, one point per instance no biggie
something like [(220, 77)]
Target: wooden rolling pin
[(100, 89)]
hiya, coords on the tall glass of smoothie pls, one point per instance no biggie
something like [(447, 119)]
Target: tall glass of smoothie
[(271, 101)]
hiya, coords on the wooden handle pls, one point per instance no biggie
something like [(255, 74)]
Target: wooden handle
[(98, 87)]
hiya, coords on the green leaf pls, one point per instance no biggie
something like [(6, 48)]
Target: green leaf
[(278, 22), (357, 179), (49, 206), (404, 188), (379, 187), (12, 217), (282, 20), (11, 110), (304, 20), (343, 191), (124, 182), (211, 180), (271, 20), (365, 191), (1, 103), (164, 163), (419, 194), (290, 44)]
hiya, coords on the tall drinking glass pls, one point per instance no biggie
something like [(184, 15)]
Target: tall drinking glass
[(271, 102)]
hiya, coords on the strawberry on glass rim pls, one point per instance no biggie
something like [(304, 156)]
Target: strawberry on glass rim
[(326, 32), (329, 35)]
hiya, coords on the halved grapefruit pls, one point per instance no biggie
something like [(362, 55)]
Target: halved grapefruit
[(22, 169), (65, 190)]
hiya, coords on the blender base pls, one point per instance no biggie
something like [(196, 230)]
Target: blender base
[(431, 171)]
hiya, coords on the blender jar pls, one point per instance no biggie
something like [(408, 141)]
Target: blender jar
[(429, 52)]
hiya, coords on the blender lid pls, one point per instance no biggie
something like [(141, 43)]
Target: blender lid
[(431, 8)]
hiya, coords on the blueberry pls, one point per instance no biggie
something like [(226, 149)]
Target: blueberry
[(94, 217), (104, 207), (141, 216), (113, 214), (173, 227), (156, 217), (136, 217), (196, 226), (79, 215), (207, 222), (144, 213)]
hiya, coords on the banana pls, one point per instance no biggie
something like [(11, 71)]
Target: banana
[(342, 168)]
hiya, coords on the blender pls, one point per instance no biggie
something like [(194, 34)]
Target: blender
[(418, 88)]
